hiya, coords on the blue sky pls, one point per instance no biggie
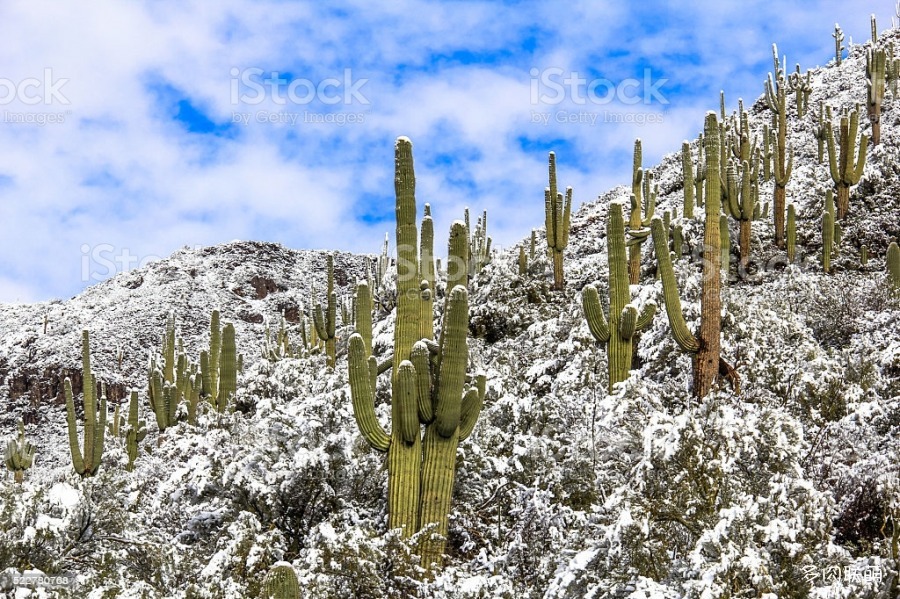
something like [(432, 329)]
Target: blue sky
[(153, 126)]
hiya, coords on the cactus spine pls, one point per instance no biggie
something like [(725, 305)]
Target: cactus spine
[(419, 486), (557, 217), (705, 345), (326, 320), (86, 463), (642, 198), (893, 266), (844, 172), (876, 66), (624, 321), (783, 156), (19, 454), (281, 583)]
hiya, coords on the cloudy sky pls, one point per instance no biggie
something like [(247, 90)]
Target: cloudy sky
[(131, 129)]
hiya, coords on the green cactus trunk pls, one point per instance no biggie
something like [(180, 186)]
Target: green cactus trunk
[(791, 233), (557, 219), (844, 172), (893, 266), (88, 462)]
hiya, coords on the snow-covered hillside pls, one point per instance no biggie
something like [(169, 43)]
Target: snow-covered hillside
[(789, 490)]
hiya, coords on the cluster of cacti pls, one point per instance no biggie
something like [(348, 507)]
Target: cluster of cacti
[(281, 583), (838, 36), (802, 89), (624, 320), (325, 319), (479, 243), (876, 72), (557, 217), (428, 380), (86, 463), (277, 345), (643, 206), (841, 154), (783, 156), (19, 454), (893, 266), (706, 344), (177, 380)]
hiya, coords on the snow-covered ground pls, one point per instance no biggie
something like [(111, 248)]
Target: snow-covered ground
[(790, 490)]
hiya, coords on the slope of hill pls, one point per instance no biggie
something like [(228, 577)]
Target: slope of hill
[(789, 490)]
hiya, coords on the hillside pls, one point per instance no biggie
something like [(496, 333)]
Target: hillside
[(788, 490)]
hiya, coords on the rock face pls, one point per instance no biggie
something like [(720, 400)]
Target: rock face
[(251, 283)]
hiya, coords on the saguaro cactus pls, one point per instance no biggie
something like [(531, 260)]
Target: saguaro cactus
[(88, 462), (706, 344), (802, 89), (281, 582), (363, 323), (743, 203), (844, 172), (893, 266), (643, 199), (557, 217), (687, 172), (19, 454), (791, 233), (624, 321), (821, 131), (783, 155), (419, 486), (326, 320), (838, 36), (876, 67)]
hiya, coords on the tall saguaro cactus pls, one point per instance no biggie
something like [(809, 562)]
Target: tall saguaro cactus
[(624, 321), (326, 320), (687, 172), (557, 217), (135, 432), (844, 172), (643, 205), (706, 344), (783, 155), (743, 203), (876, 69), (425, 390), (86, 463)]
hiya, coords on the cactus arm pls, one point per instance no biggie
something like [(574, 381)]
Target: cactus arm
[(454, 353), (680, 331), (593, 312), (421, 361), (628, 322), (646, 316), (832, 153), (363, 396), (855, 174), (77, 459), (407, 416)]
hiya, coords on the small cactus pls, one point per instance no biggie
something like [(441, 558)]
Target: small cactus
[(19, 455), (326, 319), (135, 432), (893, 266), (838, 36), (791, 233), (281, 583)]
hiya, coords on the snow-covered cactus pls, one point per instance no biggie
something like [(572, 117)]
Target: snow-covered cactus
[(643, 205), (791, 241), (863, 256), (228, 368), (281, 583), (706, 344), (86, 463), (783, 155), (699, 173), (19, 454), (876, 71), (844, 172), (135, 432), (326, 319), (479, 245), (827, 240), (209, 365), (802, 89), (838, 36), (624, 321), (557, 217), (523, 262), (893, 266)]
